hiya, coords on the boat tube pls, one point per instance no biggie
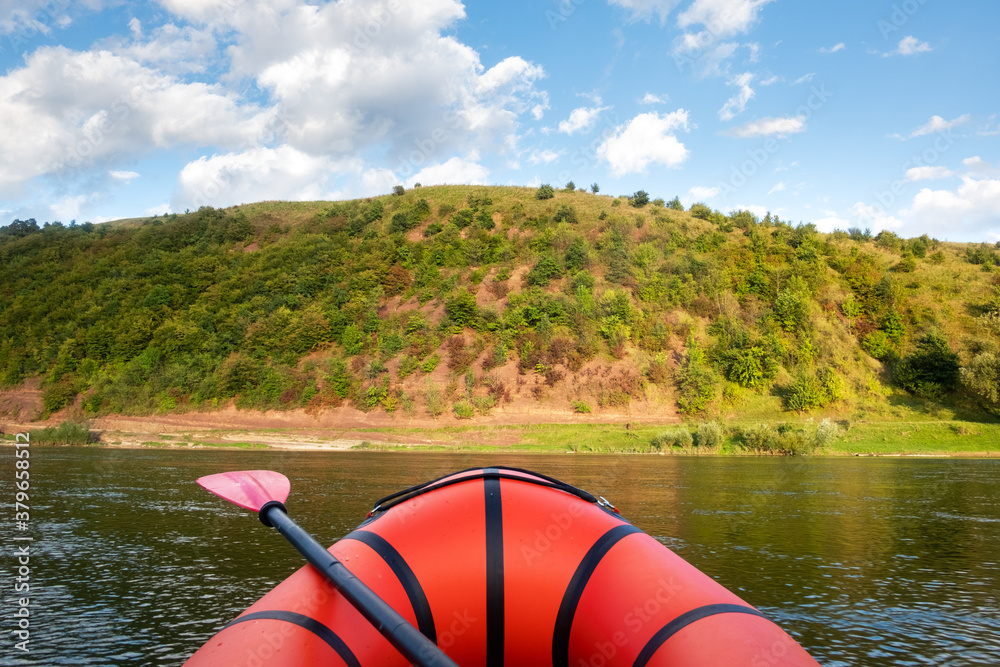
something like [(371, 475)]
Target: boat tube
[(502, 566)]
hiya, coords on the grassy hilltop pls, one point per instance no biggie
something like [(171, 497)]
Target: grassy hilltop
[(454, 302)]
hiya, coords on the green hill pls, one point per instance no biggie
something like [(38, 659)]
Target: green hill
[(454, 301)]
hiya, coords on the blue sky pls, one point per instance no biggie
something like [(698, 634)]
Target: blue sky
[(872, 114)]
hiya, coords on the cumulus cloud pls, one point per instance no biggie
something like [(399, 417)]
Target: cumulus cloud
[(833, 49), (71, 207), (779, 187), (65, 109), (928, 173), (831, 221), (969, 211), (722, 17), (169, 49), (910, 46), (514, 72), (874, 217), (255, 175), (354, 75), (645, 140), (756, 209), (766, 127), (538, 111), (978, 166), (650, 98), (708, 26), (456, 171), (737, 104), (543, 157), (377, 82), (374, 181), (580, 120), (702, 193)]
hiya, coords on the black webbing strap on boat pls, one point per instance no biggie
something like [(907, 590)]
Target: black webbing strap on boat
[(574, 591), (306, 623), (500, 472), (411, 585), (494, 569), (684, 620)]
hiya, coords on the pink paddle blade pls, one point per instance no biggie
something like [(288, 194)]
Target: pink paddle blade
[(249, 489)]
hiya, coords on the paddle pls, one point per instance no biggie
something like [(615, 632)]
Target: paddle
[(264, 492)]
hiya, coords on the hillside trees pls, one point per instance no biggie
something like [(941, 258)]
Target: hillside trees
[(247, 305), (981, 376), (931, 363)]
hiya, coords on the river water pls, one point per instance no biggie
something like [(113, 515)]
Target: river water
[(864, 561)]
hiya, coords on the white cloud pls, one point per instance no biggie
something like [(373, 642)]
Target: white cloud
[(23, 19), (701, 193), (580, 120), (874, 217), (170, 49), (65, 110), (722, 18), (454, 171), (713, 61), (970, 211), (771, 80), (738, 102), (909, 46), (377, 81), (804, 79), (71, 207), (513, 71), (706, 24), (928, 173), (124, 176), (650, 98), (759, 211), (939, 124), (777, 188), (831, 221), (977, 165), (255, 175), (377, 181), (543, 157), (833, 49), (644, 9), (647, 139), (381, 74), (161, 209), (206, 11), (765, 127)]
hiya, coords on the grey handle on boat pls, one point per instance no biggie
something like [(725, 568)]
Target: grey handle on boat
[(417, 648)]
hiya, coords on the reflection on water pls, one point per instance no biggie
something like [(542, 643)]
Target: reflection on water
[(866, 562)]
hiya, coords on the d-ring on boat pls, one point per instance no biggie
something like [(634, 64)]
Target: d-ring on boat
[(503, 566)]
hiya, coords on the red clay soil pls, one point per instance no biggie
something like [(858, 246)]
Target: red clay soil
[(531, 403)]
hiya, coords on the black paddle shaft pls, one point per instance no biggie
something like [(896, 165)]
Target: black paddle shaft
[(417, 648)]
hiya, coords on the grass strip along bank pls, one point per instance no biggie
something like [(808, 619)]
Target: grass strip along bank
[(749, 438)]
